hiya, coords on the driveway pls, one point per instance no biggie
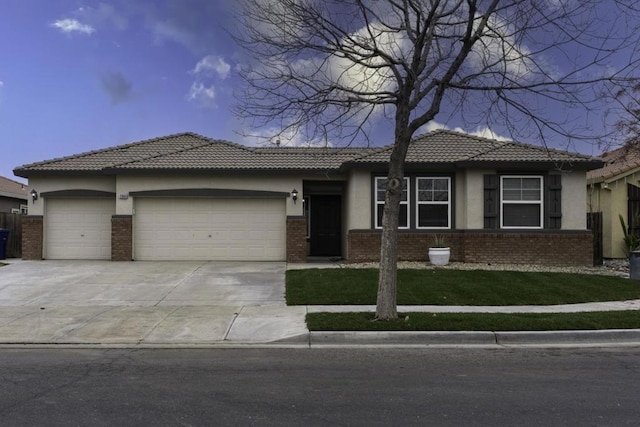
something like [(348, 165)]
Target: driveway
[(154, 303)]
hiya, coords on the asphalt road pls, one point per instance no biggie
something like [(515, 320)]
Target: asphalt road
[(318, 387)]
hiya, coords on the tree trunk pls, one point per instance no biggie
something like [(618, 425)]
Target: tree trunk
[(386, 305)]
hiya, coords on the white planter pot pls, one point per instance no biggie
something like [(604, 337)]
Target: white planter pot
[(439, 256)]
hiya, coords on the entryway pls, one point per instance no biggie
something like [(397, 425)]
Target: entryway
[(324, 215)]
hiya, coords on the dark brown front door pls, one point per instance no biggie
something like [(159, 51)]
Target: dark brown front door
[(326, 225)]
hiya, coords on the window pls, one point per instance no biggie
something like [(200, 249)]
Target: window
[(381, 188), (521, 201), (433, 202)]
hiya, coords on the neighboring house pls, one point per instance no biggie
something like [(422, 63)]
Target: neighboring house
[(187, 197), (13, 196), (614, 190)]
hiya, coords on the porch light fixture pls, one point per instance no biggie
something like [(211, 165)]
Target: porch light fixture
[(34, 195), (294, 196)]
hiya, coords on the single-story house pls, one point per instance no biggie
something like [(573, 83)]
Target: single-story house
[(188, 197), (13, 196), (614, 190)]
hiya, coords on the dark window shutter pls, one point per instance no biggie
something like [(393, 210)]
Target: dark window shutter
[(554, 201), (491, 201)]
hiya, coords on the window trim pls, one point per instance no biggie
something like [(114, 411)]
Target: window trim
[(376, 203), (418, 202), (522, 202)]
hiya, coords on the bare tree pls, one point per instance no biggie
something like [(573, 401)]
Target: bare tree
[(330, 69)]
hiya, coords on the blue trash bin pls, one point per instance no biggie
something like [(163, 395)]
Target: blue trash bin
[(4, 236)]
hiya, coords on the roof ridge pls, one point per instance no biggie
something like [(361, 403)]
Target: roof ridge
[(206, 142)]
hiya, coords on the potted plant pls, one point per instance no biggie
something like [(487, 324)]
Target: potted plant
[(439, 251)]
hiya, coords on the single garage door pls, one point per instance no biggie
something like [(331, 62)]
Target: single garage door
[(78, 228), (209, 229)]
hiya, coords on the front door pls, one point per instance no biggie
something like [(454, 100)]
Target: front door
[(326, 225)]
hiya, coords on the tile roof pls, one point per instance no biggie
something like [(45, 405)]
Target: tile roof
[(13, 189), (190, 151), (443, 146), (617, 162)]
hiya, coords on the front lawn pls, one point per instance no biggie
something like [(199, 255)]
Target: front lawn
[(347, 286)]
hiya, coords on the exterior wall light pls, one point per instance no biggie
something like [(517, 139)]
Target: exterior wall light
[(294, 196), (34, 195)]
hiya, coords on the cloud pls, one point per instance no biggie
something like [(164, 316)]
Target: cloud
[(101, 15), (69, 26), (116, 86), (213, 64), (166, 30), (483, 132), (202, 94)]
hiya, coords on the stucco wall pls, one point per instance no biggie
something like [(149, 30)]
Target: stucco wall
[(54, 183), (127, 184), (473, 201), (574, 194), (358, 198), (611, 201)]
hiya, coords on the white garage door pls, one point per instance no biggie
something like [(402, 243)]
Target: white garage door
[(209, 229), (78, 228)]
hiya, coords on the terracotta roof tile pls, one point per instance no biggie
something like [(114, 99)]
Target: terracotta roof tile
[(617, 162), (189, 151)]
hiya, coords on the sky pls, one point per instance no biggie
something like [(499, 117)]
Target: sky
[(77, 75), (81, 75)]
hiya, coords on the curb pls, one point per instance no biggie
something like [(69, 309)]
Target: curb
[(598, 338)]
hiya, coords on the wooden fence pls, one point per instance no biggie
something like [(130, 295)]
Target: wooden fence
[(13, 223)]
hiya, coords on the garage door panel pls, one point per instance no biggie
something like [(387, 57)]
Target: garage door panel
[(209, 229), (78, 228)]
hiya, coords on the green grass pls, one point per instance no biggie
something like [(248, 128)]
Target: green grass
[(476, 321), (456, 287)]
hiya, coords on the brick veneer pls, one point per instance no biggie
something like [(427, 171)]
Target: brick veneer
[(32, 237), (121, 238), (296, 239), (559, 248)]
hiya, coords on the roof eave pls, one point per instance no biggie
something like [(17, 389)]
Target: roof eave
[(531, 165)]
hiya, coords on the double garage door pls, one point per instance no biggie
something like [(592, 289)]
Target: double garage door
[(209, 229), (170, 229)]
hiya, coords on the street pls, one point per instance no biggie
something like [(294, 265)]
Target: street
[(320, 387)]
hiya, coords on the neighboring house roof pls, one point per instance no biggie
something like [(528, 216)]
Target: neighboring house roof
[(193, 152), (618, 163), (13, 189)]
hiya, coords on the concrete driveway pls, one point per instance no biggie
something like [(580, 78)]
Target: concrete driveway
[(138, 303)]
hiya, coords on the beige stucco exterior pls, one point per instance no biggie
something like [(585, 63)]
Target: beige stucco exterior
[(358, 200), (574, 194), (127, 184), (610, 198), (469, 199), (468, 193), (44, 184), (468, 203)]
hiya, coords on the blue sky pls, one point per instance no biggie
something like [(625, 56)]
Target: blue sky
[(80, 75)]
